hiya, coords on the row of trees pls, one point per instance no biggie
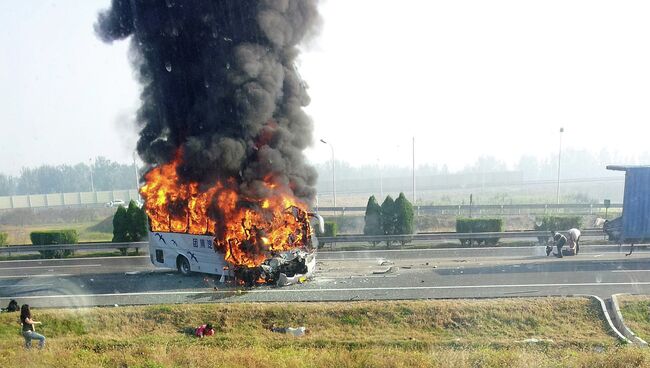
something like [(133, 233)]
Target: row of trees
[(106, 175), (393, 217), (575, 164), (129, 225)]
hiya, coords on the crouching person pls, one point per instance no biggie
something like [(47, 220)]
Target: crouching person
[(560, 241), (29, 332), (204, 330)]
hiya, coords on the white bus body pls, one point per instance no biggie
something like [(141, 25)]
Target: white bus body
[(186, 253), (195, 253)]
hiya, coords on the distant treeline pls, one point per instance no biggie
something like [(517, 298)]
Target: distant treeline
[(110, 175), (575, 164), (106, 175)]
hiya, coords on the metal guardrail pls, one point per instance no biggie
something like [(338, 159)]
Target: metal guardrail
[(337, 239), (81, 246), (446, 236), (485, 207)]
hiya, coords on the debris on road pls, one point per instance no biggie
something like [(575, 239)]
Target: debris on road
[(381, 272), (282, 270), (384, 262), (407, 267)]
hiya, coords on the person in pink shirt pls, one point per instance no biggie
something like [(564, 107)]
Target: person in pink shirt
[(204, 330)]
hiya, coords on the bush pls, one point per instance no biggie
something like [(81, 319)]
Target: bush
[(403, 217), (3, 239), (372, 219), (121, 228), (485, 225), (54, 237), (556, 223), (331, 229), (388, 217)]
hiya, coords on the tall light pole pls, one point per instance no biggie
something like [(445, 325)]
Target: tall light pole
[(414, 171), (92, 183), (381, 178), (137, 179), (333, 174), (559, 166)]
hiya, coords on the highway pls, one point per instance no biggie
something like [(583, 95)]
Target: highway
[(341, 275)]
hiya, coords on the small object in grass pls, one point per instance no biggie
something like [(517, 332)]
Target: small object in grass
[(421, 281), (115, 305), (426, 264), (295, 331), (204, 330)]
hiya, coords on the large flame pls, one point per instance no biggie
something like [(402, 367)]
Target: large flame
[(246, 230)]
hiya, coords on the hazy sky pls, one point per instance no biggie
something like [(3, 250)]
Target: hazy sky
[(466, 78)]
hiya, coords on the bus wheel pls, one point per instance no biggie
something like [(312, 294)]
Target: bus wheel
[(183, 265)]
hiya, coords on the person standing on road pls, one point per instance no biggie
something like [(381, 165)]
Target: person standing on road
[(573, 238), (29, 332)]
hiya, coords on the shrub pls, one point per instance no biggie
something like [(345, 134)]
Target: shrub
[(54, 237), (403, 217), (121, 228), (136, 224), (331, 229), (372, 218), (484, 225), (3, 239), (388, 217), (556, 223)]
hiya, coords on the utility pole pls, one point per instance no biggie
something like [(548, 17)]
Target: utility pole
[(90, 166), (137, 178), (559, 165), (414, 171), (333, 174)]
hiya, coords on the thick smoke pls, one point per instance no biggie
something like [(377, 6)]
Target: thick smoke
[(219, 83)]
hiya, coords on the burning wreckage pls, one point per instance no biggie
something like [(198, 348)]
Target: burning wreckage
[(222, 132), (270, 242)]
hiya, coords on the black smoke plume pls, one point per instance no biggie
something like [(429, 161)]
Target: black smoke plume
[(220, 86)]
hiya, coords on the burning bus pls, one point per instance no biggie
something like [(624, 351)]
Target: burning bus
[(222, 132), (217, 231)]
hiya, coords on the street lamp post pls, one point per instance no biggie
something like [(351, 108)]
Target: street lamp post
[(135, 170), (559, 166), (333, 174), (92, 183)]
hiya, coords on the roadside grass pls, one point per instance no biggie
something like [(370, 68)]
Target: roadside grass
[(20, 234), (458, 333), (636, 312)]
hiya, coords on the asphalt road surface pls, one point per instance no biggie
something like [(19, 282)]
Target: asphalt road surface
[(341, 276)]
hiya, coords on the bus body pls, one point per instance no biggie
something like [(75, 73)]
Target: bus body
[(196, 253), (177, 250)]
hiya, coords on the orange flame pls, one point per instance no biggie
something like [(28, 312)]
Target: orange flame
[(246, 230)]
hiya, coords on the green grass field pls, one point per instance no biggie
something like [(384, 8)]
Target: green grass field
[(20, 234), (636, 312), (470, 333)]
